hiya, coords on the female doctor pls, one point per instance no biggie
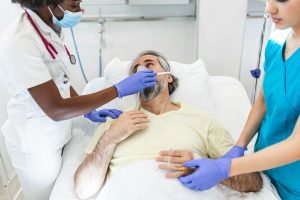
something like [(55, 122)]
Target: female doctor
[(275, 116), (35, 62)]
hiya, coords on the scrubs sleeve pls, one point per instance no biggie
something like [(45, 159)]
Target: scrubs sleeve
[(26, 64), (103, 127), (219, 141), (268, 54)]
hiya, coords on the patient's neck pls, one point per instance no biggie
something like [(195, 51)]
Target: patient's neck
[(160, 104)]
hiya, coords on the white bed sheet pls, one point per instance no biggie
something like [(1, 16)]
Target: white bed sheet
[(232, 106)]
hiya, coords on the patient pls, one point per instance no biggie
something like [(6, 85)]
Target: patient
[(170, 132)]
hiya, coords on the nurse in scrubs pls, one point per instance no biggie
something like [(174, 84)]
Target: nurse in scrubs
[(34, 74), (275, 116)]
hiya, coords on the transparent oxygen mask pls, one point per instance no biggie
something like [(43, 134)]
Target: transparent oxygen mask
[(142, 68)]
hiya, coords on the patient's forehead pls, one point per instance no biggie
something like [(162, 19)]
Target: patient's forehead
[(145, 58)]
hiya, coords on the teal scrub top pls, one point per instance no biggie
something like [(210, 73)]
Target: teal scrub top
[(281, 89)]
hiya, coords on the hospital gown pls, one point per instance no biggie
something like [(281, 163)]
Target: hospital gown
[(187, 128), (281, 89)]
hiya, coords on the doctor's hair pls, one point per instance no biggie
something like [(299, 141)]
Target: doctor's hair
[(34, 4), (164, 64)]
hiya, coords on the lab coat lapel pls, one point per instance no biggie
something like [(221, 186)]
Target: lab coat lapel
[(46, 30)]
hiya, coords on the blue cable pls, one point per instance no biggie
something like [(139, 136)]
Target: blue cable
[(77, 53)]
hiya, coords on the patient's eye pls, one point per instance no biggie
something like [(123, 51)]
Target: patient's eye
[(149, 65)]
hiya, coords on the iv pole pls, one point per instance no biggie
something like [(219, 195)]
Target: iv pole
[(257, 71)]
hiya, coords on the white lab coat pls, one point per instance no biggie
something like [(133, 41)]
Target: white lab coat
[(25, 63)]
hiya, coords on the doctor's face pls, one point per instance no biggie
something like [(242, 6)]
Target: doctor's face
[(70, 5), (284, 13)]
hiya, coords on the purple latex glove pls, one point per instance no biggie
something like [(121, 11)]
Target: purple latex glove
[(136, 83), (209, 173), (100, 116), (235, 152)]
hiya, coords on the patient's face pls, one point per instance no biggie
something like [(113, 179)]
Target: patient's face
[(152, 62)]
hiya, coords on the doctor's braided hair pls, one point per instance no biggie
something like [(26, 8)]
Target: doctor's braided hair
[(164, 64), (34, 4)]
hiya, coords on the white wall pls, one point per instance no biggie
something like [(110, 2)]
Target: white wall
[(221, 30), (176, 39)]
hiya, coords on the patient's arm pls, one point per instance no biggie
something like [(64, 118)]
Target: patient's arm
[(90, 176), (251, 182), (171, 160)]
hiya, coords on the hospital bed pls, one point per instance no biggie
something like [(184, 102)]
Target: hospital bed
[(224, 97)]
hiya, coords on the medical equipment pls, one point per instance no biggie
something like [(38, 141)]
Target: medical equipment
[(69, 20), (77, 53), (256, 72), (50, 48), (142, 68), (101, 115), (163, 73), (102, 42)]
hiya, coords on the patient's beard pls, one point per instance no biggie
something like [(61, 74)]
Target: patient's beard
[(152, 92)]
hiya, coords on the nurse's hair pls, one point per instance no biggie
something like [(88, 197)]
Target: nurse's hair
[(163, 63), (34, 4)]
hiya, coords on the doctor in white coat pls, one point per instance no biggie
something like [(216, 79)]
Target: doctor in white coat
[(34, 72)]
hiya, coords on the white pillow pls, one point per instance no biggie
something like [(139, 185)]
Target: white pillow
[(194, 84)]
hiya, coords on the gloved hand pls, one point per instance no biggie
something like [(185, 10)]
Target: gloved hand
[(235, 152), (209, 173), (100, 116), (136, 83)]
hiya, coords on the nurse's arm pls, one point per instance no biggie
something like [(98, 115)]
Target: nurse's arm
[(279, 154), (47, 96), (254, 120)]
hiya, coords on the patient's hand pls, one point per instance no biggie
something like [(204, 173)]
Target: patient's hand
[(127, 124), (173, 160)]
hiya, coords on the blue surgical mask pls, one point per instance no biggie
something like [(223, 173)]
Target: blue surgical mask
[(69, 20)]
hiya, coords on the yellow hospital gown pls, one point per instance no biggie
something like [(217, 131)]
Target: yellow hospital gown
[(185, 129)]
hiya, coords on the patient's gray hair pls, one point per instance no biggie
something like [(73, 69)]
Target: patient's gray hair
[(164, 64)]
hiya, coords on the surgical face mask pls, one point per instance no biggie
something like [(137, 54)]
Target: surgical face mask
[(69, 20)]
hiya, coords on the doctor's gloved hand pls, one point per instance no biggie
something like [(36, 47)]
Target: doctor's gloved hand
[(208, 173), (136, 83), (235, 152), (100, 116)]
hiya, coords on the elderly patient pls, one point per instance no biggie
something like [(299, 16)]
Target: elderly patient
[(150, 131)]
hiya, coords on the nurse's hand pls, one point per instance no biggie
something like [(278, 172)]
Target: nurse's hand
[(208, 173), (127, 124), (136, 83), (100, 116), (235, 152), (172, 160)]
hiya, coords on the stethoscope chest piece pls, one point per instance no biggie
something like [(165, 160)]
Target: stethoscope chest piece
[(72, 59)]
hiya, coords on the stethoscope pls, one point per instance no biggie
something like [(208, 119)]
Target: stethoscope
[(50, 48)]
